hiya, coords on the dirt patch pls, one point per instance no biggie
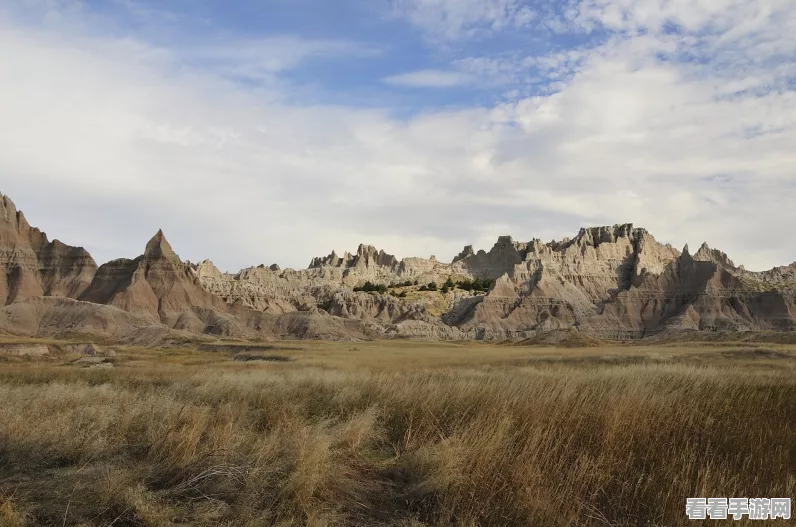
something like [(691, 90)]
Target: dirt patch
[(246, 348), (563, 339), (90, 350), (93, 362), (248, 356)]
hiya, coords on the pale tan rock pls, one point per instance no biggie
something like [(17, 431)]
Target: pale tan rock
[(24, 350), (90, 349), (540, 287), (65, 317)]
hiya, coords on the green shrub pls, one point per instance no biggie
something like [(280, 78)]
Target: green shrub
[(477, 284), (370, 288)]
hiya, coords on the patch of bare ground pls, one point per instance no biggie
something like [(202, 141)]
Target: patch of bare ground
[(395, 434), (246, 356), (563, 339)]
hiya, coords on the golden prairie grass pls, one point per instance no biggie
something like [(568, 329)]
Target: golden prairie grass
[(399, 434), (11, 515)]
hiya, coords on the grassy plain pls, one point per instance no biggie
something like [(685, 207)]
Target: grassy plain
[(395, 434)]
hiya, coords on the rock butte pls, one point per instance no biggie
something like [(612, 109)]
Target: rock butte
[(611, 282)]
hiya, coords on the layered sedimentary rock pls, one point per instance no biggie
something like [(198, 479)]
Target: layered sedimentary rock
[(65, 317), (559, 285), (704, 292), (31, 265), (156, 284), (608, 282), (155, 295), (614, 282)]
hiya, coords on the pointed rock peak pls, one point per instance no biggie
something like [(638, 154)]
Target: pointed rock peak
[(332, 260), (367, 254), (158, 247), (22, 222), (706, 254), (536, 245), (206, 268), (466, 253), (502, 245), (704, 249), (367, 250), (8, 211), (686, 251), (10, 214)]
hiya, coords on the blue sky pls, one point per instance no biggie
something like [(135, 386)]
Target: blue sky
[(351, 51), (260, 131)]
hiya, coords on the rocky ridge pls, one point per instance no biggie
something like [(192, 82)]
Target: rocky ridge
[(31, 265), (613, 282)]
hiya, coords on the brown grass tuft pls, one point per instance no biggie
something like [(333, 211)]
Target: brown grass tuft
[(11, 514)]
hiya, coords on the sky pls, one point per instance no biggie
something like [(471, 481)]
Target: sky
[(272, 131)]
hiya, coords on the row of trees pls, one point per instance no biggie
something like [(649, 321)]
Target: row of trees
[(407, 283), (470, 285), (466, 285), (369, 287)]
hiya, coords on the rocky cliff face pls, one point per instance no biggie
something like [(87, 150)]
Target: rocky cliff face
[(31, 265), (367, 256), (612, 282), (560, 285), (156, 284), (704, 292)]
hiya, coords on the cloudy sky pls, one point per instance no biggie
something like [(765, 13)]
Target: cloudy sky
[(261, 131)]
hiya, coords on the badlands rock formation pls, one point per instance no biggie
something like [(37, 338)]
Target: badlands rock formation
[(156, 285), (31, 265), (161, 288), (609, 282)]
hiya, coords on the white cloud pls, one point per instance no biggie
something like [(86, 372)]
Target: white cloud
[(430, 79), (541, 73), (103, 141)]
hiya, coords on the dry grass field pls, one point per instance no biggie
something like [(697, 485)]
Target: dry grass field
[(395, 434)]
